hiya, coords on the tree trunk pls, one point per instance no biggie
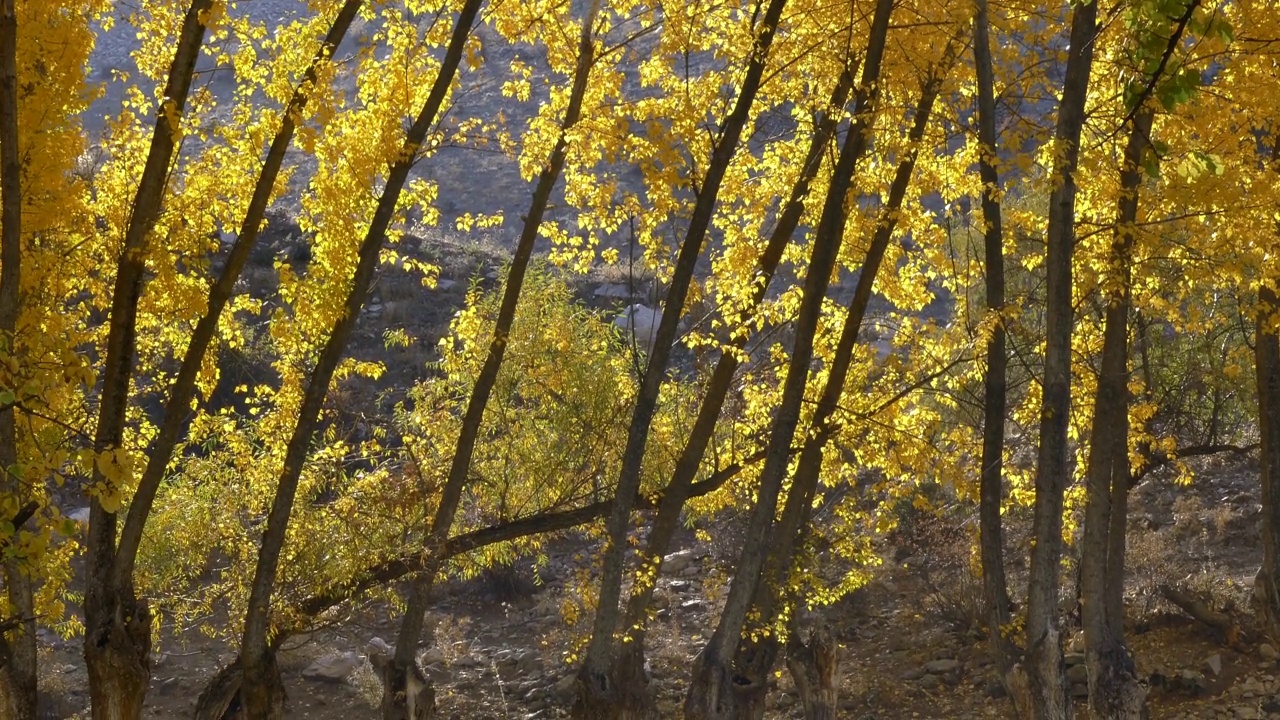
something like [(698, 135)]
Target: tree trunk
[(18, 644), (716, 691), (814, 662), (595, 686), (1046, 673), (1267, 361), (1114, 691), (995, 587), (114, 648), (403, 667), (119, 659), (407, 693), (126, 652), (631, 698), (754, 661), (1266, 355), (261, 692), (220, 699)]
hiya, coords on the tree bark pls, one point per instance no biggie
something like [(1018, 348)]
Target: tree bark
[(630, 694), (1114, 691), (402, 668), (18, 644), (1266, 354), (1266, 588), (261, 691), (595, 683), (814, 662), (715, 691), (754, 660), (995, 586), (1045, 672), (117, 631)]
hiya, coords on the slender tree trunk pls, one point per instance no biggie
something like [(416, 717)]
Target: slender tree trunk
[(995, 587), (755, 660), (18, 644), (1045, 672), (261, 691), (715, 691), (117, 631), (631, 696), (402, 669), (129, 647), (1266, 588), (1114, 691), (595, 684), (1267, 362)]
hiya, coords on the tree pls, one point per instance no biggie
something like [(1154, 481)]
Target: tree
[(261, 691), (1114, 690), (597, 690), (396, 689), (716, 690), (1267, 369), (995, 588), (18, 646), (1050, 698)]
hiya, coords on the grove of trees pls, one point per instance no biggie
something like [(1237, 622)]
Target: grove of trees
[(894, 243)]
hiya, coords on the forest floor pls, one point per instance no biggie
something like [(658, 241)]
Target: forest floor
[(909, 641)]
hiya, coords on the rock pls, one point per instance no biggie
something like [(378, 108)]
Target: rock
[(445, 285), (431, 656), (377, 646), (565, 688), (1080, 690), (680, 586), (944, 665), (912, 674), (1268, 651), (1191, 681), (676, 562), (1078, 674), (1214, 663), (80, 516), (1073, 659), (929, 682), (1076, 644), (616, 291), (467, 661), (333, 668), (1246, 712), (693, 605), (639, 324)]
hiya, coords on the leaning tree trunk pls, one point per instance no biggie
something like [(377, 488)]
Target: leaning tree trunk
[(1045, 672), (261, 690), (117, 632), (995, 587), (129, 644), (754, 660), (633, 699), (18, 644), (715, 690), (596, 690), (1114, 690), (402, 681)]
